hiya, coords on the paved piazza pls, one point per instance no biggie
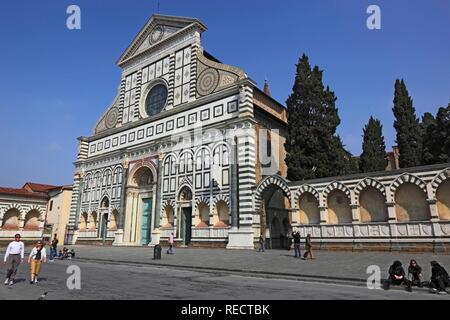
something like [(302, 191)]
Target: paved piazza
[(275, 274)]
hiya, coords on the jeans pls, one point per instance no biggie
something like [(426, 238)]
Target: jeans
[(170, 250), (52, 253), (297, 250), (261, 246)]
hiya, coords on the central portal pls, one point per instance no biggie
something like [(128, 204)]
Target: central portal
[(146, 222), (187, 223)]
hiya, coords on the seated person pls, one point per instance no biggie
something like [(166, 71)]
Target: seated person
[(439, 278), (60, 254), (415, 274), (72, 253), (397, 276)]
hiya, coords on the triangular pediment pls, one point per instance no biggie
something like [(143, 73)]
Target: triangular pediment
[(157, 30)]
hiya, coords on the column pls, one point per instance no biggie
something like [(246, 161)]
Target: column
[(157, 198), (434, 218), (392, 218), (119, 235), (355, 214)]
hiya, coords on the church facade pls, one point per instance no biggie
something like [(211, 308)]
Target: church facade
[(191, 146), (176, 151)]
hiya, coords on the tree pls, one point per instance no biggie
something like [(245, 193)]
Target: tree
[(313, 148), (373, 157), (430, 141), (409, 140), (441, 137)]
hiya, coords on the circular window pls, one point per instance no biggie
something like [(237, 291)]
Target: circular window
[(156, 99)]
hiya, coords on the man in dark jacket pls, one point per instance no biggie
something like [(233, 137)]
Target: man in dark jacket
[(397, 276), (439, 278), (296, 236)]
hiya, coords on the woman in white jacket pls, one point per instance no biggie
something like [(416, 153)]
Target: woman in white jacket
[(36, 258)]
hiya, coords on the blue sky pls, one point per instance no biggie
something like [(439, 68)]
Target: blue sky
[(55, 83)]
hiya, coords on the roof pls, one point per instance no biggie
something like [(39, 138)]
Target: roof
[(38, 187), (23, 192)]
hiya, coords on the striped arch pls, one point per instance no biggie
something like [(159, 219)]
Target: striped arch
[(199, 200), (407, 178), (221, 197), (147, 164), (368, 182), (10, 206), (440, 178), (166, 203), (335, 185), (265, 184), (305, 188)]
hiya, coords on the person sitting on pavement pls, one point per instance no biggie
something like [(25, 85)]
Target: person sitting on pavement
[(397, 276), (60, 254), (439, 278), (415, 274)]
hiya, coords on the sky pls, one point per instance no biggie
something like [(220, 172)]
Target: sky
[(55, 83)]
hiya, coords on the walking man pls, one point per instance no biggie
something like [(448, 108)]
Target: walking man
[(170, 250), (53, 248), (308, 248), (13, 258), (261, 243), (296, 236)]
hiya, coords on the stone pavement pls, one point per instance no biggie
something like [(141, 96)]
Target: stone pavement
[(328, 265)]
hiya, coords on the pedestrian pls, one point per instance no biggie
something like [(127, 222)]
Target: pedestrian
[(439, 278), (296, 236), (261, 243), (397, 276), (170, 250), (415, 274), (53, 248), (13, 258), (36, 258), (308, 248)]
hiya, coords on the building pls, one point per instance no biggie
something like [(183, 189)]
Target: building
[(191, 146), (36, 211), (177, 149)]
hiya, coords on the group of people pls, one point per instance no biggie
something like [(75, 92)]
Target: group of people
[(15, 252), (297, 242), (438, 283)]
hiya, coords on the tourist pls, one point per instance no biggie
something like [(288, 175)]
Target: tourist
[(439, 278), (53, 248), (36, 258), (170, 250), (261, 243), (308, 248), (296, 236), (13, 258), (397, 276), (415, 274)]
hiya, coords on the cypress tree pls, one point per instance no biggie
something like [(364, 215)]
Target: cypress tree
[(430, 139), (442, 135), (313, 148), (409, 139), (373, 157)]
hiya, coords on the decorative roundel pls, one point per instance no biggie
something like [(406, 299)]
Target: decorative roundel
[(156, 34), (111, 118), (207, 81)]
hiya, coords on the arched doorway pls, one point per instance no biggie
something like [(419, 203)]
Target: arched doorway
[(411, 203), (339, 210), (139, 212), (443, 200), (185, 206), (104, 212), (272, 200), (372, 206)]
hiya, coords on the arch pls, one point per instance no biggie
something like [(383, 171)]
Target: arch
[(198, 154), (224, 158), (142, 167), (32, 220), (407, 178), (167, 216), (199, 200), (202, 215), (92, 222), (11, 219), (411, 202), (373, 206), (266, 183), (440, 178), (308, 208), (368, 182), (11, 206), (306, 188), (221, 214), (221, 197), (84, 221), (443, 200), (338, 207), (107, 177), (104, 204), (184, 193), (113, 220), (142, 176), (335, 185)]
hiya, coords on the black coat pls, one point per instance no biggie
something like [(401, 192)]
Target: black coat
[(415, 270), (437, 271), (396, 270), (296, 237)]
